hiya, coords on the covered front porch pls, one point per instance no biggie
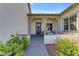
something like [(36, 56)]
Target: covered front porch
[(44, 23)]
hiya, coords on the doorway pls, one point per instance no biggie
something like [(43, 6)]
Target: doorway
[(38, 27)]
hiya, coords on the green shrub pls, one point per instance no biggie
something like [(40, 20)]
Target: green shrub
[(2, 47), (15, 46), (66, 47), (25, 42)]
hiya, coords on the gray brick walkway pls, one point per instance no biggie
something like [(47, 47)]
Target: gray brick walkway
[(36, 47)]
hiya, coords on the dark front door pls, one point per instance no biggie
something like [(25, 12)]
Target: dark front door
[(38, 27)]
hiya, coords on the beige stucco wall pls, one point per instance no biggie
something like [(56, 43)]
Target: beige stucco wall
[(59, 25), (13, 19)]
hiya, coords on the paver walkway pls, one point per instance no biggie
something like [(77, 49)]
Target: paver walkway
[(36, 47)]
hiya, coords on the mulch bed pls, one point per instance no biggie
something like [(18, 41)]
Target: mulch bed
[(51, 48)]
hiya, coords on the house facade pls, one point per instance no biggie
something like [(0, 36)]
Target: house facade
[(66, 22), (17, 17)]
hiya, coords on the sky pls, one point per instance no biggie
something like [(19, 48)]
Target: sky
[(49, 8)]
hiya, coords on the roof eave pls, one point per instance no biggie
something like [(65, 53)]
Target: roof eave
[(70, 7)]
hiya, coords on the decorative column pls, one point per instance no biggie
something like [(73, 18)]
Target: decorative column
[(44, 24)]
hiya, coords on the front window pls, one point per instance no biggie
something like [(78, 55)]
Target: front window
[(73, 22), (49, 26), (70, 23), (66, 24)]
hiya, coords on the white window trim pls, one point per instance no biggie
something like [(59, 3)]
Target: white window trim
[(69, 23)]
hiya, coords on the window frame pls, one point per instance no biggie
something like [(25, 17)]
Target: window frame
[(69, 22), (49, 26), (66, 24)]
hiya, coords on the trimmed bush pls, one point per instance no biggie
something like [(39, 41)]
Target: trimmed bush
[(66, 47), (2, 49), (15, 46)]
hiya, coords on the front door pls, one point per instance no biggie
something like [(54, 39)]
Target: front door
[(38, 27)]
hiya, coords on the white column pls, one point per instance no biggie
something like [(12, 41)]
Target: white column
[(61, 24), (77, 21), (44, 24)]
